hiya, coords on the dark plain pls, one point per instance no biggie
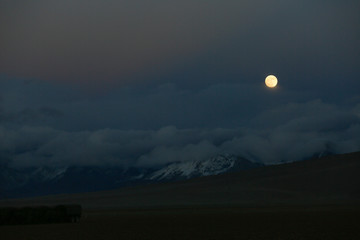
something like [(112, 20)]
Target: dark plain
[(315, 222)]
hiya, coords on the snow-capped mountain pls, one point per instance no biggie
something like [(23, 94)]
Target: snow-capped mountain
[(53, 180), (23, 182), (14, 178), (212, 166)]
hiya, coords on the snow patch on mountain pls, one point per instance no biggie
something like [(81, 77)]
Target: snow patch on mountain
[(48, 174), (212, 166)]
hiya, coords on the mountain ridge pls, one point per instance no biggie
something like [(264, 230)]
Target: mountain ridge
[(331, 180), (44, 180)]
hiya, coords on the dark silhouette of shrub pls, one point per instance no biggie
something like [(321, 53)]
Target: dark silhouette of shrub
[(40, 214)]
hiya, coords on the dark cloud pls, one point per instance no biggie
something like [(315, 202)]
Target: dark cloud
[(315, 115), (28, 115), (284, 142)]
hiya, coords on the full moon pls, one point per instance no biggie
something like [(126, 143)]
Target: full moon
[(271, 81)]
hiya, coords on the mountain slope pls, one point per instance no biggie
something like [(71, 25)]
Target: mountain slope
[(51, 180), (329, 180), (33, 181)]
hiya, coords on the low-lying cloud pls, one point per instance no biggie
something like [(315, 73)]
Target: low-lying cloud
[(304, 130)]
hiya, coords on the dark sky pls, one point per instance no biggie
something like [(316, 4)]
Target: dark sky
[(150, 82)]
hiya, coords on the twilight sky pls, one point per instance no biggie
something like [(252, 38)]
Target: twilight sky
[(150, 82)]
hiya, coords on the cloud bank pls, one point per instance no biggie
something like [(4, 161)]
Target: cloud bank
[(305, 129)]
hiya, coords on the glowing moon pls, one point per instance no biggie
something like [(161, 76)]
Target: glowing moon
[(271, 81)]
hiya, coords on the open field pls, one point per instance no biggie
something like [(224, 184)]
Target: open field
[(321, 222)]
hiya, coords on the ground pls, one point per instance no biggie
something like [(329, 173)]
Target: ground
[(316, 222)]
